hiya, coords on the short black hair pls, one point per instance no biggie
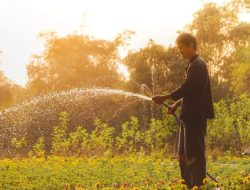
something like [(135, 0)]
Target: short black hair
[(186, 38)]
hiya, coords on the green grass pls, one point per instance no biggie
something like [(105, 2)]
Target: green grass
[(143, 172)]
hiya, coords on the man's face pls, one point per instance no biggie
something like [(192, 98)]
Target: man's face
[(185, 50)]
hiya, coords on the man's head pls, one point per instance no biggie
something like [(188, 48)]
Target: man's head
[(186, 44)]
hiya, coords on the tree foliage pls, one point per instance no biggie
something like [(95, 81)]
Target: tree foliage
[(74, 61)]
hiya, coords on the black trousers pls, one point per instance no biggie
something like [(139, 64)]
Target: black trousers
[(191, 151)]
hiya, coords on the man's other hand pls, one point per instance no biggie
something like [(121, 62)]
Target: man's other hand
[(172, 109)]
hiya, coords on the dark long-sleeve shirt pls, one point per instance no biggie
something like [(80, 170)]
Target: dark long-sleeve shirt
[(196, 92)]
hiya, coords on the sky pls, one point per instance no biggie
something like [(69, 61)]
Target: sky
[(22, 21)]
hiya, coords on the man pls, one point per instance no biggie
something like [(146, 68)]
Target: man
[(195, 99)]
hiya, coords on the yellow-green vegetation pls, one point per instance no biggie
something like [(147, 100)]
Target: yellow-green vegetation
[(228, 133), (119, 172), (128, 156)]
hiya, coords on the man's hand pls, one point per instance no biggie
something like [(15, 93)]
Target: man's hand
[(159, 99), (173, 109)]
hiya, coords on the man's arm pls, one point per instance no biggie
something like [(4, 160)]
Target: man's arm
[(190, 84)]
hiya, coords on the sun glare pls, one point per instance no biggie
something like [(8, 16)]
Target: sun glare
[(103, 19), (123, 70)]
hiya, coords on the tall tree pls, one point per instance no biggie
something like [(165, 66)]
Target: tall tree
[(158, 67), (75, 61), (240, 75), (6, 96), (220, 35)]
